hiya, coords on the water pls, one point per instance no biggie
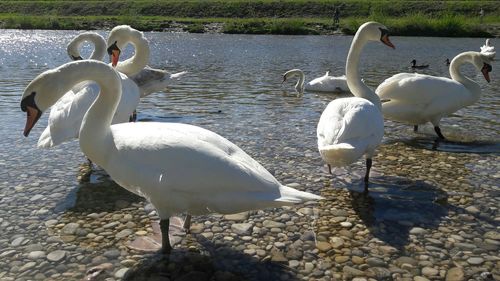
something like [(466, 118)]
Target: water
[(234, 88)]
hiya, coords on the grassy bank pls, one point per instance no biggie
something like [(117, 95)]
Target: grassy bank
[(424, 18)]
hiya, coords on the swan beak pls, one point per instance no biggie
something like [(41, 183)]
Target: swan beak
[(115, 56), (386, 41), (32, 116), (486, 71)]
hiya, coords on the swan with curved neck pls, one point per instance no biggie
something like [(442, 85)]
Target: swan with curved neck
[(416, 99), (67, 114), (324, 83), (177, 167), (352, 127), (97, 40)]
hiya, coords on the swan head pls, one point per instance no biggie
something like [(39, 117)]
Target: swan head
[(47, 88), (374, 31), (486, 56), (118, 39)]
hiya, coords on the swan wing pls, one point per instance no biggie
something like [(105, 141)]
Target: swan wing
[(349, 128), (184, 167), (417, 98), (150, 80), (328, 84)]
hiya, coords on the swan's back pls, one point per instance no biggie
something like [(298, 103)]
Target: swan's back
[(328, 84), (417, 97), (201, 170), (347, 129)]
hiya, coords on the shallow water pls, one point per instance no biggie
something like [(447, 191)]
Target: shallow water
[(234, 88)]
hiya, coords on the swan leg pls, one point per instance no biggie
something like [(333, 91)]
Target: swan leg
[(165, 240), (329, 169), (187, 223), (368, 167), (133, 117), (438, 132), (415, 128)]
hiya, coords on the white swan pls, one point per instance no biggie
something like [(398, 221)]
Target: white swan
[(66, 115), (416, 99), (324, 83), (177, 167), (352, 127)]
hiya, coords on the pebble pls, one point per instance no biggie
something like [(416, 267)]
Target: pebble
[(56, 255), (36, 255)]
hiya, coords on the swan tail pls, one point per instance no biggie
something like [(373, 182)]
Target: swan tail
[(45, 140), (293, 196), (177, 75), (339, 155)]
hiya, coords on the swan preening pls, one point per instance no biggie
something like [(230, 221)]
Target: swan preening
[(352, 127), (177, 167), (416, 99), (324, 83), (138, 81)]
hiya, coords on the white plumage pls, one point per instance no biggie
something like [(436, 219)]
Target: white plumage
[(178, 167), (416, 99), (352, 127), (324, 83)]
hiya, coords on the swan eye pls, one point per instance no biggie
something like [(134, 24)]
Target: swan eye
[(383, 32), (29, 101)]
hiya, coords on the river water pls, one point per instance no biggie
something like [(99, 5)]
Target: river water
[(432, 209)]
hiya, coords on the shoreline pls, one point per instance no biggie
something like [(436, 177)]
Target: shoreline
[(405, 26)]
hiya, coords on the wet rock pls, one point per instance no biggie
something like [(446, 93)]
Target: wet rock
[(429, 271), (242, 228), (121, 272), (70, 228), (124, 233), (56, 255), (475, 260), (375, 262), (350, 272), (34, 255), (273, 224), (455, 274), (323, 246), (237, 217)]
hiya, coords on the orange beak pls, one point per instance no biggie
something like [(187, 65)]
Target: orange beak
[(32, 116), (386, 41), (115, 56)]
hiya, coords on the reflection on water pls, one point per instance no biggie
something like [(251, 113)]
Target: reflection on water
[(454, 146)]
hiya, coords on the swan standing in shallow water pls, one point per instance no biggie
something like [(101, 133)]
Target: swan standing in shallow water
[(352, 127), (177, 167), (324, 83), (416, 99), (67, 114)]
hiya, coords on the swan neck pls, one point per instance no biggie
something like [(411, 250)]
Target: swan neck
[(356, 85), (299, 87), (140, 58), (95, 135), (97, 40), (457, 75)]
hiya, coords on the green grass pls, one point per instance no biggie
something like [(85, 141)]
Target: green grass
[(412, 18)]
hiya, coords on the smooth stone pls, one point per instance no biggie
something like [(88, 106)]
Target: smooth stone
[(34, 247), (36, 255), (277, 256), (237, 217), (242, 228), (293, 263), (17, 242), (492, 235), (341, 259), (306, 211), (475, 260), (407, 260), (337, 242), (455, 274), (36, 197), (70, 228), (375, 262), (273, 224), (323, 246), (27, 266), (124, 233), (346, 224), (378, 273), (430, 271), (358, 260), (417, 231), (111, 224), (420, 278), (113, 253), (56, 255), (121, 272), (352, 272)]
